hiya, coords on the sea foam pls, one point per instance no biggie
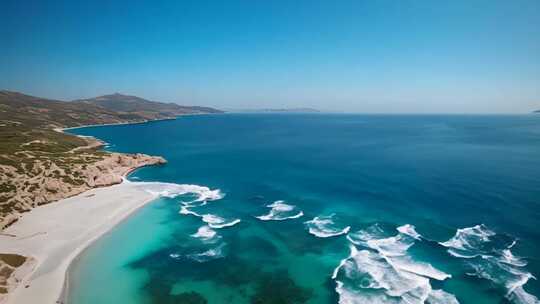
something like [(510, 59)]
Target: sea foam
[(202, 194), (172, 190), (280, 211), (469, 242), (489, 257), (409, 230), (324, 226), (383, 272), (218, 222), (439, 296), (205, 233)]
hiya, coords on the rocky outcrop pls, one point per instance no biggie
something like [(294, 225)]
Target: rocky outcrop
[(44, 181)]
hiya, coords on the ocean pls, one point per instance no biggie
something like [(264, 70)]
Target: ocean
[(324, 208)]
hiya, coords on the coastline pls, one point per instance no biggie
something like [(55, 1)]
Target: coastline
[(54, 235), (129, 122), (117, 123)]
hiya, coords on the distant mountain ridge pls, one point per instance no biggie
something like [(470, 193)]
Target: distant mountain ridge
[(132, 104), (31, 111), (106, 109)]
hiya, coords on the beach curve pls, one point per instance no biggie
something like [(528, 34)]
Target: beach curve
[(53, 235)]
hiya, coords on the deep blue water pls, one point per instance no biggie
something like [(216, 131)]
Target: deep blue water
[(365, 175)]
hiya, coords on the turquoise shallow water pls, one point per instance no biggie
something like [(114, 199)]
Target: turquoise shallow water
[(355, 180)]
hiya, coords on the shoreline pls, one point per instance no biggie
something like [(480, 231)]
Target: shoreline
[(115, 124), (52, 240), (129, 123), (53, 247), (64, 293)]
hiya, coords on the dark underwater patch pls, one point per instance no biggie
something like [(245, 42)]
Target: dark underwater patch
[(165, 272), (254, 245), (279, 288), (189, 298), (160, 293)]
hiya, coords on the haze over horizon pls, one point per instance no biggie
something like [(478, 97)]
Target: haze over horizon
[(349, 56)]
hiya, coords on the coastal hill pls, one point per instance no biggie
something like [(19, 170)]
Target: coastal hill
[(33, 111), (39, 163), (127, 105)]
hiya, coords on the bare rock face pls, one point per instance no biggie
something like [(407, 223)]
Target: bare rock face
[(55, 179), (52, 185), (119, 165)]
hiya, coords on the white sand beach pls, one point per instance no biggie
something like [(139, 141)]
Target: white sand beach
[(54, 234)]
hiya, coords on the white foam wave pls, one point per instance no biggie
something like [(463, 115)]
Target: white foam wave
[(368, 277), (186, 211), (409, 230), (512, 277), (341, 264), (171, 190), (509, 258), (370, 233), (481, 248), (469, 239), (438, 296), (406, 263), (280, 212), (383, 272), (391, 246), (520, 296), (351, 296), (213, 221), (324, 226), (218, 222), (374, 237), (457, 254), (206, 233), (417, 296)]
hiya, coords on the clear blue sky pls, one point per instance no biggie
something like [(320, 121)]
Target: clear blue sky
[(362, 56)]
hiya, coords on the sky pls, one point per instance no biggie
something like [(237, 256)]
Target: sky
[(380, 56)]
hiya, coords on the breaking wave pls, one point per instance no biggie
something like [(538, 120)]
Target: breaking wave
[(489, 257), (409, 230), (171, 190), (212, 220), (202, 194), (379, 268), (218, 222), (185, 210), (439, 296), (207, 234), (383, 272), (470, 242), (324, 226), (280, 212)]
